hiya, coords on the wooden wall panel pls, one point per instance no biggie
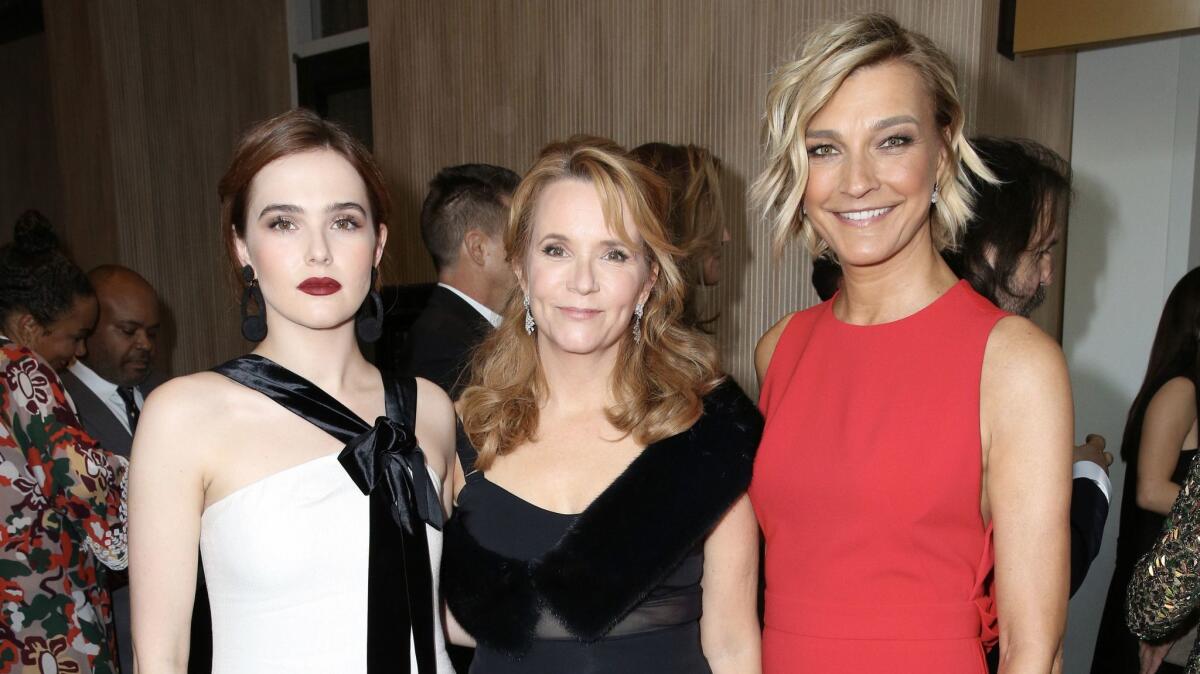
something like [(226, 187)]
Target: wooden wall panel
[(28, 165), (163, 90), (1071, 24), (460, 81), (1032, 97)]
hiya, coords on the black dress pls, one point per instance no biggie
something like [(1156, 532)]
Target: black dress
[(615, 589), (1116, 647)]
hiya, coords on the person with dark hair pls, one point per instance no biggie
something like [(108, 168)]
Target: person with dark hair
[(320, 532), (696, 218), (1158, 447), (109, 383), (462, 225), (62, 497)]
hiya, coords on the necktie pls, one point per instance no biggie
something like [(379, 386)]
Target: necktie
[(131, 408)]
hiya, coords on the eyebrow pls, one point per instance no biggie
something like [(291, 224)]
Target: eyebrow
[(292, 208), (560, 237), (884, 123), (280, 208)]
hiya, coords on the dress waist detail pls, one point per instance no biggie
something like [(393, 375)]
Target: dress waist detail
[(951, 620)]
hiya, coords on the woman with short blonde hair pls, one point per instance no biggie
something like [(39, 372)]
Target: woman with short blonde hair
[(912, 427), (601, 520)]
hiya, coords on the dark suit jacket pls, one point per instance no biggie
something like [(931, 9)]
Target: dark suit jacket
[(97, 419), (440, 341)]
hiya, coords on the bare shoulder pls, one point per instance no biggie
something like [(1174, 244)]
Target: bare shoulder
[(1177, 397), (435, 418), (1024, 374), (191, 398), (767, 343)]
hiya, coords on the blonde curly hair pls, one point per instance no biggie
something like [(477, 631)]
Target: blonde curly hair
[(800, 88)]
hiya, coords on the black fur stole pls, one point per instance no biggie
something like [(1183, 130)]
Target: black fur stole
[(626, 542)]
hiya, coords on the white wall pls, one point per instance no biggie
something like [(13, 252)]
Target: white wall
[(1134, 231)]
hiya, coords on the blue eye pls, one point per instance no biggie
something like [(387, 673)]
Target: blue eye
[(553, 250), (820, 150), (616, 255)]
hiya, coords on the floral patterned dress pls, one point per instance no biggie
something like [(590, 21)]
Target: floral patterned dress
[(1165, 588), (62, 510)]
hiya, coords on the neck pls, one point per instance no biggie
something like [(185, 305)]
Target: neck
[(898, 287), (577, 383), (328, 358), (469, 283)]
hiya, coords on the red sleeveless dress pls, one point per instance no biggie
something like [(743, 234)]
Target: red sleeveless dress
[(867, 488)]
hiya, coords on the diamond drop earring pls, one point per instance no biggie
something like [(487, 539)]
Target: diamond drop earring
[(933, 199), (637, 323), (529, 324)]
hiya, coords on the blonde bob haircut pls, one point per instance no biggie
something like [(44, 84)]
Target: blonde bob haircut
[(657, 383), (799, 89)]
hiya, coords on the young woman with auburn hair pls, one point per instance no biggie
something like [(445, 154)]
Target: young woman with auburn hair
[(319, 530), (601, 522), (912, 427)]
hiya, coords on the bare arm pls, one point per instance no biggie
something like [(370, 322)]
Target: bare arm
[(1168, 418), (729, 632), (166, 498), (766, 348), (1027, 429)]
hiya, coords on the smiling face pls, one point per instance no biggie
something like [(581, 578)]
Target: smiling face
[(64, 339), (874, 152), (310, 238), (582, 280)]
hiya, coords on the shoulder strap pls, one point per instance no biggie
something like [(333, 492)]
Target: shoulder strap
[(466, 452), (400, 399), (295, 394)]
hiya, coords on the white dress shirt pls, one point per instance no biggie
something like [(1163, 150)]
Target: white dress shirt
[(106, 391), (491, 316)]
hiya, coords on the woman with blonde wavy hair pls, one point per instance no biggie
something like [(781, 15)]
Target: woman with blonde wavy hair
[(911, 427), (601, 522)]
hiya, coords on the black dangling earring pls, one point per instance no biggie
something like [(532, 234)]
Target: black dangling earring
[(370, 327), (254, 326)]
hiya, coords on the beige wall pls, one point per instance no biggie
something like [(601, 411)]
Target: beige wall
[(457, 81), (148, 99)]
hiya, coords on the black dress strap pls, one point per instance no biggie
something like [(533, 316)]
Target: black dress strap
[(386, 463), (467, 454)]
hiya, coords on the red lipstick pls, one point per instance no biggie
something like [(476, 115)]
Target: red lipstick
[(319, 285)]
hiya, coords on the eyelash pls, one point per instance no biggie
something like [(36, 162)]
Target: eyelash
[(826, 149), (614, 255), (283, 224)]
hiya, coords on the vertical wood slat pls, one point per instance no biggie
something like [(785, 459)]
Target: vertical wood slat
[(149, 98), (458, 81)]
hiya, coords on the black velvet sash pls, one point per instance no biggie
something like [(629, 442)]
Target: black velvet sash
[(385, 462)]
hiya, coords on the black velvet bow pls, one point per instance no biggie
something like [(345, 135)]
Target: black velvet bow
[(389, 454)]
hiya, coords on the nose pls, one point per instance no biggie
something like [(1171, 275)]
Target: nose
[(143, 341), (858, 175), (80, 348), (583, 278), (318, 248)]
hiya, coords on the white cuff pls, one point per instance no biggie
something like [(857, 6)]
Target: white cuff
[(1092, 471)]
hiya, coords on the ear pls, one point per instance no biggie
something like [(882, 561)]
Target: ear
[(243, 253), (649, 284), (380, 243), (519, 272), (474, 246), (27, 328)]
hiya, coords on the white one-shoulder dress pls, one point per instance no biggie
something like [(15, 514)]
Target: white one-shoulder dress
[(285, 560)]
